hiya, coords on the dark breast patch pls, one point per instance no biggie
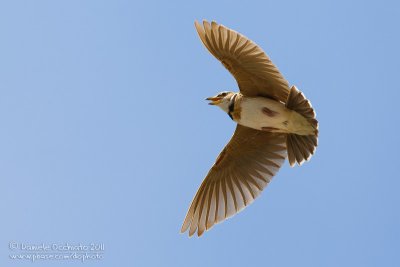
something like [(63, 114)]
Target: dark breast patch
[(269, 112)]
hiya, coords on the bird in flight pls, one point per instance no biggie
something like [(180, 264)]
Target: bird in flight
[(274, 122)]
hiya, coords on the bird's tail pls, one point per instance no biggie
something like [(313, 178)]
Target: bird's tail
[(301, 147)]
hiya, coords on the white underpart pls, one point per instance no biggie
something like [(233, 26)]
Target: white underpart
[(281, 118)]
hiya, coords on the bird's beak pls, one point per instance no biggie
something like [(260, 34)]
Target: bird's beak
[(214, 100)]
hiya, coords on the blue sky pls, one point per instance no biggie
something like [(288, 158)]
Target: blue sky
[(106, 135)]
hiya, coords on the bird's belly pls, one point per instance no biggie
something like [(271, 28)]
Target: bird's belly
[(264, 114)]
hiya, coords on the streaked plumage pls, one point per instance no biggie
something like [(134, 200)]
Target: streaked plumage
[(274, 121)]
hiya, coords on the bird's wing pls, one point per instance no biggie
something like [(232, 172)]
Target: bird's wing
[(242, 170), (254, 72)]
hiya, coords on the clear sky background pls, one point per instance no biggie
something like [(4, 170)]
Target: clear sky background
[(105, 134)]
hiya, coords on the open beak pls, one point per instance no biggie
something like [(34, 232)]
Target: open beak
[(214, 100)]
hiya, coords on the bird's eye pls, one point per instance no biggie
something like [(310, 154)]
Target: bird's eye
[(223, 94)]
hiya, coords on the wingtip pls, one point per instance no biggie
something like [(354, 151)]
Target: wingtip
[(185, 225), (190, 235), (191, 232), (208, 24), (200, 233), (292, 163), (199, 28), (182, 230), (202, 21)]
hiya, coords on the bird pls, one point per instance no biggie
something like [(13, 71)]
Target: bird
[(274, 122)]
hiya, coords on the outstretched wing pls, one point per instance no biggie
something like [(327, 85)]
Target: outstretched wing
[(254, 72), (242, 170)]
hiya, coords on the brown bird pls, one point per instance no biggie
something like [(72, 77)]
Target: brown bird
[(273, 120)]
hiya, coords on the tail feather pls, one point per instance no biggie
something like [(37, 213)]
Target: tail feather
[(301, 147)]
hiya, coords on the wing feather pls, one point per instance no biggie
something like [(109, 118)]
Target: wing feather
[(242, 170), (254, 72)]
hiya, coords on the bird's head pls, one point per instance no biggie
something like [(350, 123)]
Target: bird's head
[(221, 100)]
